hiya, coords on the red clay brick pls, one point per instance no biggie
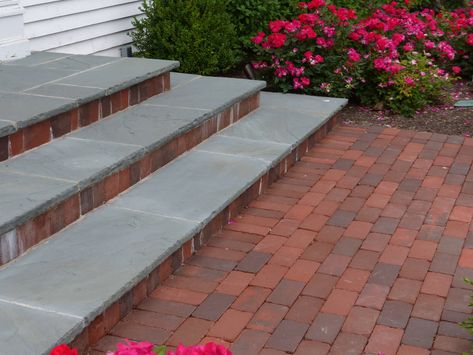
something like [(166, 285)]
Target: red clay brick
[(462, 214), (422, 249), (286, 256), (37, 134), (395, 255), (250, 342), (270, 244), (353, 280), (335, 264), (358, 229), (269, 276), (305, 309), (235, 283), (466, 259), (340, 302), (437, 284), (361, 321), (251, 299), (428, 307), (349, 343), (384, 339), (179, 295), (191, 332), (268, 317), (302, 270), (299, 212), (230, 325), (139, 332), (373, 296), (405, 290), (403, 237)]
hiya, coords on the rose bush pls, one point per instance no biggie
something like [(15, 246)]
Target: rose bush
[(395, 58), (146, 348)]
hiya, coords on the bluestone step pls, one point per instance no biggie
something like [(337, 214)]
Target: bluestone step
[(86, 168), (47, 95), (89, 268)]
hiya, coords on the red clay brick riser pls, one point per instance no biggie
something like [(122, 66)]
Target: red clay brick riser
[(102, 324), (61, 215), (57, 126)]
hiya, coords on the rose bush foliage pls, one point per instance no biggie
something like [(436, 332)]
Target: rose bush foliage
[(394, 57)]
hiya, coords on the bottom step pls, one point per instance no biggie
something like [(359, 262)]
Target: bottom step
[(86, 278)]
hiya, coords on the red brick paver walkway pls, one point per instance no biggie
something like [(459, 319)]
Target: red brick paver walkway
[(360, 248)]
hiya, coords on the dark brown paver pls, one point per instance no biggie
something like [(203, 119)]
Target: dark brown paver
[(360, 249)]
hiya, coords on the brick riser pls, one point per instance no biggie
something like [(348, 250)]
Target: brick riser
[(99, 327), (37, 229), (57, 126)]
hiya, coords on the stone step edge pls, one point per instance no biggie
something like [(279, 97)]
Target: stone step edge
[(119, 308), (60, 122), (55, 217)]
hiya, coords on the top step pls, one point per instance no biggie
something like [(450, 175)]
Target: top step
[(47, 95)]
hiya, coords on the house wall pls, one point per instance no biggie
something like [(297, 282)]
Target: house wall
[(79, 26)]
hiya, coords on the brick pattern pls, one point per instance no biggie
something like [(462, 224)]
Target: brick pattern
[(38, 228), (328, 259), (42, 132)]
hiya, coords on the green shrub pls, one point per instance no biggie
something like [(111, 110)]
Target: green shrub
[(198, 33), (252, 16)]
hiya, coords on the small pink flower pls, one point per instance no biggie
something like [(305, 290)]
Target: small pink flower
[(353, 55), (456, 69), (409, 81)]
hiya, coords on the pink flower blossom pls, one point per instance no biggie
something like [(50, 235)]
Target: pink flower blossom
[(277, 40), (409, 81), (258, 38), (353, 55)]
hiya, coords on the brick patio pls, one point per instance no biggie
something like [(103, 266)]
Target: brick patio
[(361, 248)]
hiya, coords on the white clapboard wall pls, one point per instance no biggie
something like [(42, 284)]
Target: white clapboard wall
[(79, 26)]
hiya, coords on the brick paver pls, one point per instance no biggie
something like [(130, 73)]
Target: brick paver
[(360, 248)]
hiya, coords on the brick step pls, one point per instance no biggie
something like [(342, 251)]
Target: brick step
[(48, 188), (47, 95), (86, 278)]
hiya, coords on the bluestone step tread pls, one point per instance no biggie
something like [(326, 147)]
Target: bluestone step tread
[(20, 192), (194, 187), (94, 152), (46, 84), (28, 331), (91, 264)]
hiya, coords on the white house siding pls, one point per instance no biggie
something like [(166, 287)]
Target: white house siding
[(79, 26)]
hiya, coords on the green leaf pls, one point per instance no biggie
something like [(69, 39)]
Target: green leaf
[(160, 350)]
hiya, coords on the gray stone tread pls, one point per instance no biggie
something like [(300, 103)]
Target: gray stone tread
[(19, 192), (94, 152), (74, 160), (206, 92), (46, 84), (276, 126), (92, 263), (25, 110), (195, 186), (31, 331), (314, 105)]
